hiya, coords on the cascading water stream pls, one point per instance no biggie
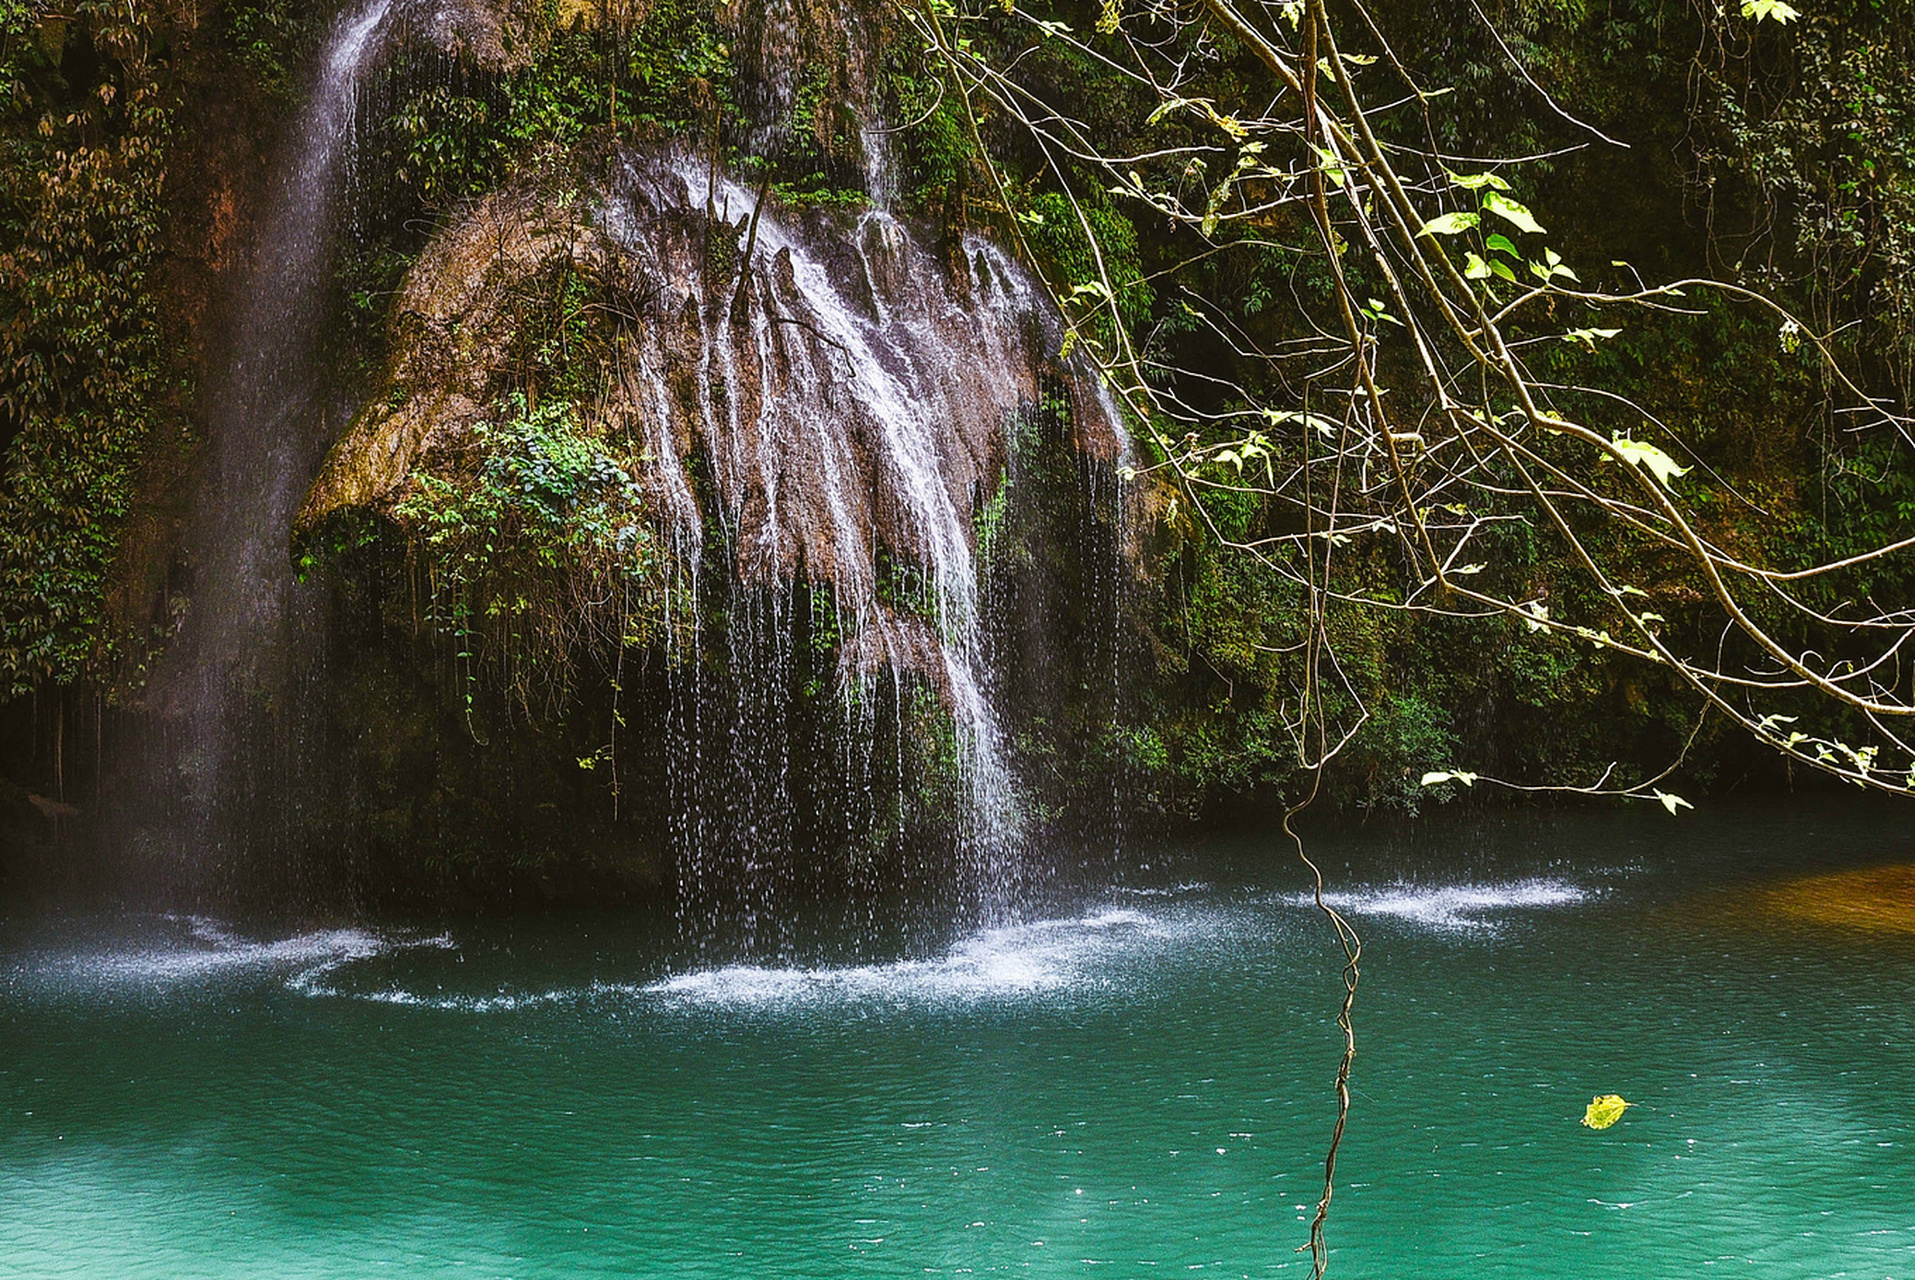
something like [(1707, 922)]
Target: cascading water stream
[(268, 435), (899, 394), (237, 689)]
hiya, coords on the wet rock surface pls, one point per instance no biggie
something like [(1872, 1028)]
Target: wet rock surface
[(823, 389)]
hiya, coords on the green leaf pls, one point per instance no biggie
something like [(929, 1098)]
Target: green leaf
[(1775, 10), (1474, 268), (1497, 242), (1478, 181), (1510, 211), (1604, 1110), (1450, 224), (1332, 166), (1324, 426), (1173, 105), (1651, 459), (1375, 310), (1554, 261), (1588, 337)]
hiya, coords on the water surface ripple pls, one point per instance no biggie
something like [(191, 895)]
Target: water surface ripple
[(1130, 1083)]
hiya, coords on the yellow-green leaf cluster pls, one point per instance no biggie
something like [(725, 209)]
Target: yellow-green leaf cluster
[(1604, 1110)]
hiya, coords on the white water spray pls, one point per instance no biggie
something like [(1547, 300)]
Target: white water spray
[(237, 688)]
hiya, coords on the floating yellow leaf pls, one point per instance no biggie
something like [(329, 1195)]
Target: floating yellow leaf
[(1605, 1111)]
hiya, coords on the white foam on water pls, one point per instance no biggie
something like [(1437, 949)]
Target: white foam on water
[(1452, 908), (211, 949), (498, 1002), (1036, 959), (1165, 891), (1039, 958)]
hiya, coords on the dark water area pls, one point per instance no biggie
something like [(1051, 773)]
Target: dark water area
[(1132, 1079)]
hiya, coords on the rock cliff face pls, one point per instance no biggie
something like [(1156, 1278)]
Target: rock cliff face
[(836, 388), (737, 500)]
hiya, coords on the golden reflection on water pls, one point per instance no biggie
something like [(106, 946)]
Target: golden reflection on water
[(1875, 899)]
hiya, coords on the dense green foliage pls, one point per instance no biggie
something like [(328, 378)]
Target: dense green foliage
[(535, 540), (83, 125), (1707, 103), (453, 130)]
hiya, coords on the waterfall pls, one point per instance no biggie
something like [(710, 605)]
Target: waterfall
[(893, 345), (267, 431), (236, 693), (818, 405)]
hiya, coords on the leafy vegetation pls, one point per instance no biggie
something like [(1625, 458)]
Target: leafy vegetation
[(1224, 229), (536, 542), (83, 125)]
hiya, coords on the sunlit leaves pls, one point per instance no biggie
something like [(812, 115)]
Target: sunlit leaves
[(1250, 449), (1479, 182), (1589, 337), (1510, 211), (1858, 764), (1550, 267), (1328, 70), (1647, 457), (1450, 224), (1476, 267), (1770, 10), (1491, 190), (1375, 312), (1203, 108), (1439, 776), (1331, 165), (1323, 426), (1672, 803)]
